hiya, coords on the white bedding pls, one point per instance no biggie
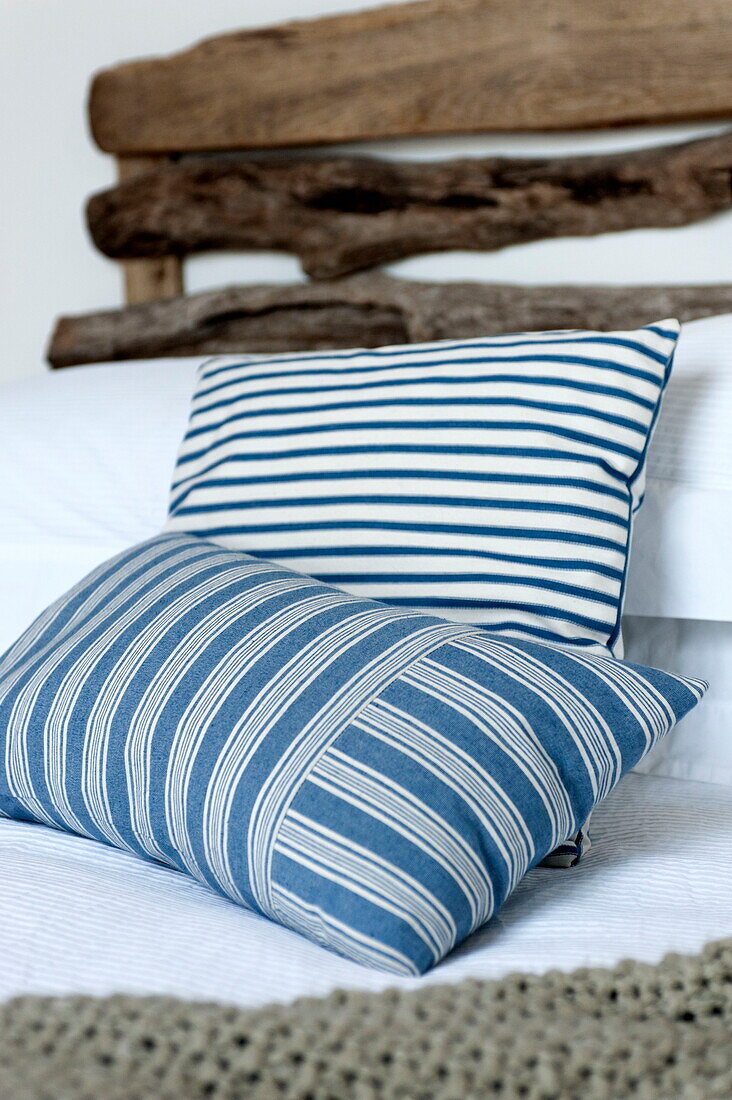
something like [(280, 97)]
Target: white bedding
[(77, 917)]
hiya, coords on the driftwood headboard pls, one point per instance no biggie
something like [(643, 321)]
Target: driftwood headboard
[(183, 128)]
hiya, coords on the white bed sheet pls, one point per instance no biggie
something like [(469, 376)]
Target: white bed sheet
[(77, 917)]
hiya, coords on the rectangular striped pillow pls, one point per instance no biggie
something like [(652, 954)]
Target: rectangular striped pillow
[(490, 481), (373, 777)]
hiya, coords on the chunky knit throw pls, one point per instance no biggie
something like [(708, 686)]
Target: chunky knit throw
[(634, 1031)]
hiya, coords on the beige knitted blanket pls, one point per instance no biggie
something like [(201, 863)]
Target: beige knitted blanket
[(635, 1031)]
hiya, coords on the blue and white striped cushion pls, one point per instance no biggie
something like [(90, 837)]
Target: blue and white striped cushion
[(489, 481), (374, 777)]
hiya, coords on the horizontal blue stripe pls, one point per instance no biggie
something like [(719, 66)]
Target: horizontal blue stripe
[(512, 627), (403, 499), (667, 333), (420, 425), (425, 402), (571, 564), (409, 350), (544, 611), (598, 364), (391, 383), (452, 451), (401, 475), (439, 528), (545, 584)]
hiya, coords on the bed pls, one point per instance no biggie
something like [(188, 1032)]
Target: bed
[(81, 920)]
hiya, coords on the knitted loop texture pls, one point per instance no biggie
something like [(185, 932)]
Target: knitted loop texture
[(634, 1031)]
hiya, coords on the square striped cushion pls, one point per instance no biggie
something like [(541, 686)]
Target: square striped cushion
[(373, 777), (490, 481)]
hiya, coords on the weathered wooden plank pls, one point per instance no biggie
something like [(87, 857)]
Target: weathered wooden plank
[(340, 215), (146, 280), (433, 67), (363, 311)]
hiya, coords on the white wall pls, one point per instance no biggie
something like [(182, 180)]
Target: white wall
[(48, 51)]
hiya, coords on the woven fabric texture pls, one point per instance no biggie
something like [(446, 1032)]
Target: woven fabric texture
[(634, 1031), (490, 481), (372, 777)]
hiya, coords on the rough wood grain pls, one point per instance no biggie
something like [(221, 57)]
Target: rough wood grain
[(363, 311), (340, 215), (434, 67), (148, 279)]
